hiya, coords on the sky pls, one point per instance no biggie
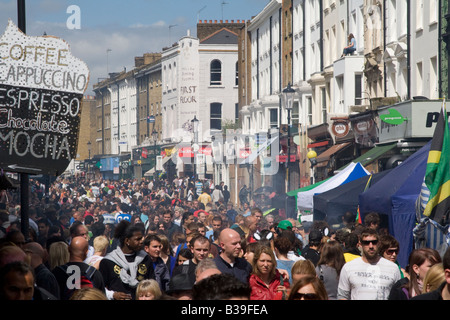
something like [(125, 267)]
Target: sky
[(108, 34)]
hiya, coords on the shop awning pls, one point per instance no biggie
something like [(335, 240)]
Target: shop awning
[(325, 156), (375, 153), (151, 172)]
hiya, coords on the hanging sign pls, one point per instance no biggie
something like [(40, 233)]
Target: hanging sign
[(41, 91), (393, 117)]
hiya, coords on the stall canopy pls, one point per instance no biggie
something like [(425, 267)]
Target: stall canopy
[(333, 204), (395, 196), (375, 153), (352, 172), (294, 193), (323, 158), (151, 172)]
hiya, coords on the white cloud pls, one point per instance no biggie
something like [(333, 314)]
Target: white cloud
[(159, 23)]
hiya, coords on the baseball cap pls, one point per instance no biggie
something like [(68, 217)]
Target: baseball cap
[(285, 224)]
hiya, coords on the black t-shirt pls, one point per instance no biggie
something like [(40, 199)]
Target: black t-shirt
[(65, 275), (111, 274)]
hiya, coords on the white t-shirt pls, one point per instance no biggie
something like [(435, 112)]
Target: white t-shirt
[(364, 281)]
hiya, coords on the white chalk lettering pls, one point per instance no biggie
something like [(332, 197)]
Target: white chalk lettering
[(22, 143), (36, 124)]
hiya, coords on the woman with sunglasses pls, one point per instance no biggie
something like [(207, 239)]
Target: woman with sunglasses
[(389, 248), (308, 288)]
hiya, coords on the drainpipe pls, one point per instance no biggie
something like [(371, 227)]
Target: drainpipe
[(138, 119), (321, 34), (147, 84), (280, 58), (408, 35), (103, 122), (270, 53), (118, 119), (304, 41), (384, 47), (257, 63)]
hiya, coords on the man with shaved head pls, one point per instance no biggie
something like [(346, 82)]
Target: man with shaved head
[(228, 261), (44, 278), (77, 274)]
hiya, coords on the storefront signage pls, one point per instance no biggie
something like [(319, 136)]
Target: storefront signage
[(340, 128), (393, 117), (420, 118), (188, 152), (41, 91)]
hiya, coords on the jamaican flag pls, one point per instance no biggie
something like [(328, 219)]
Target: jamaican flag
[(437, 175)]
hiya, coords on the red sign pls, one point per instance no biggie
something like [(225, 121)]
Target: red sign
[(144, 153), (283, 158), (187, 152), (244, 153), (340, 128), (206, 150)]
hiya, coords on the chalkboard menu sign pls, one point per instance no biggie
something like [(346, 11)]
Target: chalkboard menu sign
[(41, 91)]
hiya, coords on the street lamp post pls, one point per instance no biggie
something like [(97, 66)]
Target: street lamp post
[(195, 122), (288, 102)]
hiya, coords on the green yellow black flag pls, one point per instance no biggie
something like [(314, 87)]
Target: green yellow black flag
[(437, 175)]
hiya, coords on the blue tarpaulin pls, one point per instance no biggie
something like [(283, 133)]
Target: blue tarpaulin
[(333, 204), (395, 196)]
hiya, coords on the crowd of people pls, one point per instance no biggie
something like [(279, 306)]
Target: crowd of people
[(185, 240)]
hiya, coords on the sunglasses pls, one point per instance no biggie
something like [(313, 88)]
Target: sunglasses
[(305, 296), (367, 242), (391, 251)]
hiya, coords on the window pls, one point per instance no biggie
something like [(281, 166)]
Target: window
[(340, 94), (295, 114), (216, 116), (358, 90), (324, 105), (236, 81), (99, 123), (107, 121), (273, 118), (247, 123), (433, 11), (310, 115), (216, 73), (419, 79), (419, 15), (433, 78)]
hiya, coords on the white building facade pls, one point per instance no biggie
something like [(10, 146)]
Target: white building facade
[(199, 81), (123, 114)]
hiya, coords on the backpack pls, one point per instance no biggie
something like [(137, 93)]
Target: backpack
[(86, 281)]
